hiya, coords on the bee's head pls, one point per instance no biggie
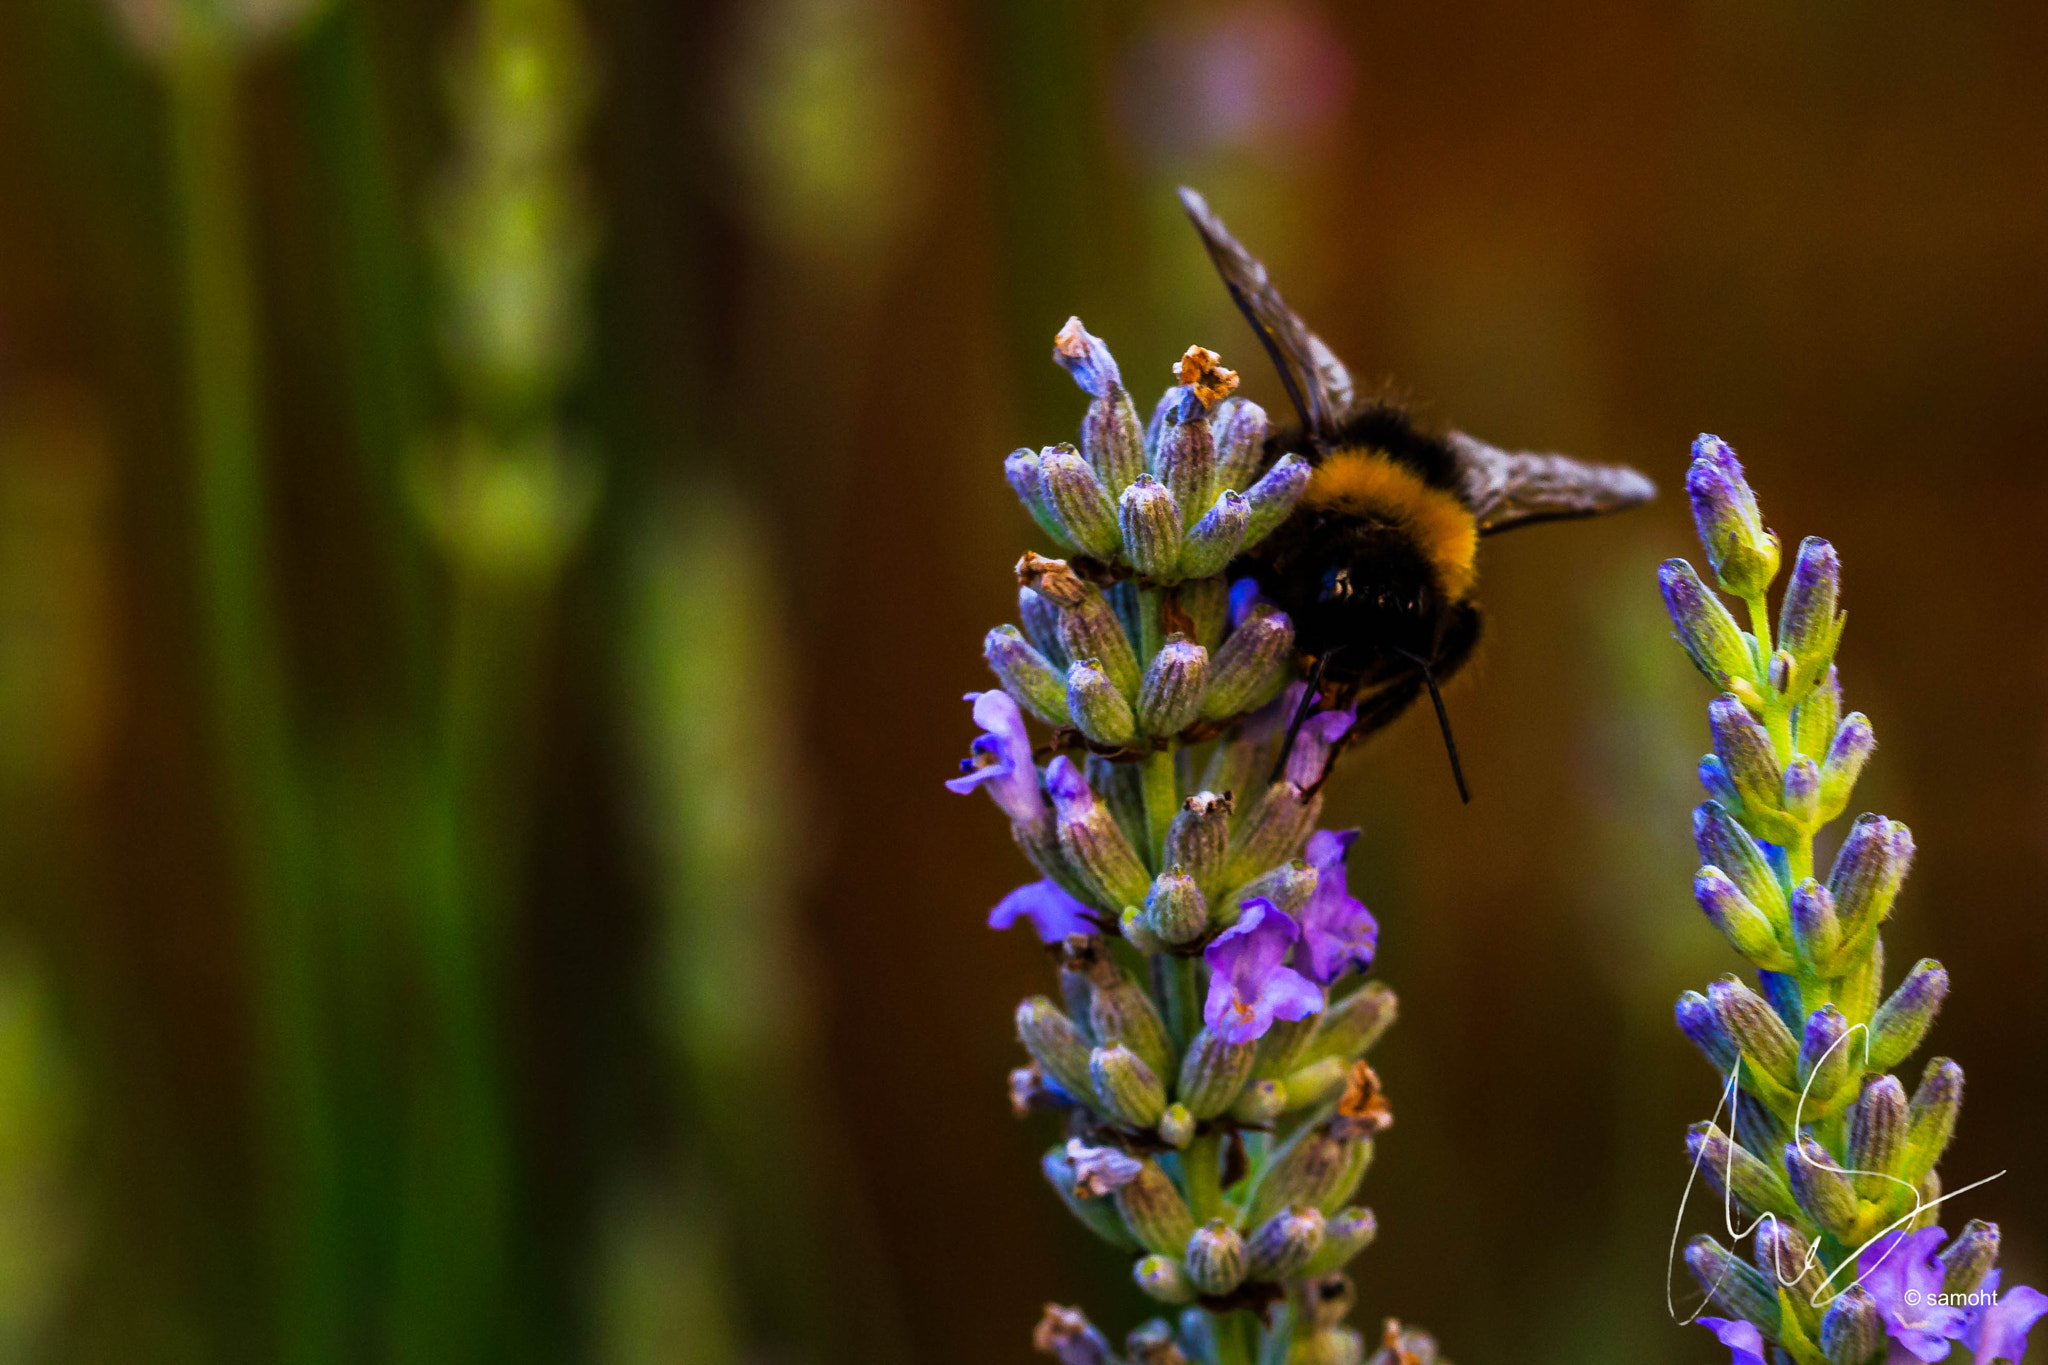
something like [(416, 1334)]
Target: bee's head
[(1377, 603)]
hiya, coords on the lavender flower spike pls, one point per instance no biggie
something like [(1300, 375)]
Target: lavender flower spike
[(1337, 930), (1002, 759), (1249, 985)]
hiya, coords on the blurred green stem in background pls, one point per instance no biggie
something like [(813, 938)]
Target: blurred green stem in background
[(251, 723)]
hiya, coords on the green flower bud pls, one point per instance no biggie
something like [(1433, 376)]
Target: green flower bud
[(1213, 1073), (1869, 869), (1809, 627), (1198, 838), (1161, 1278), (1250, 662), (1269, 832), (1027, 675), (1152, 527), (1097, 708), (1176, 1126), (1848, 749), (1216, 1257), (1285, 1044), (1800, 797), (1176, 913), (1852, 1329), (1349, 1027), (1094, 843), (1315, 1169), (1931, 1118), (1731, 1169), (1823, 1189), (1788, 1262), (1185, 459), (1171, 694), (1059, 1048), (1132, 922), (1877, 1135), (1130, 1090), (1814, 719), (1743, 553), (1748, 930), (1288, 886), (1756, 1029), (1275, 496), (1041, 621), (1154, 1211), (1724, 843), (1239, 428), (1021, 468), (1076, 492), (1902, 1021), (1815, 928), (1284, 1243), (1122, 1011), (1717, 645), (1827, 1056), (1310, 1085), (1969, 1258), (1090, 629), (1345, 1234), (1215, 540), (1098, 1213), (1737, 1289), (1259, 1103), (1746, 753)]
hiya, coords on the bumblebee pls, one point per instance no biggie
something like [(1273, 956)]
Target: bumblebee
[(1377, 563)]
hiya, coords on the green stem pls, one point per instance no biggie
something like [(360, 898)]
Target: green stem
[(1162, 800), (1231, 1346), (1151, 634), (249, 691), (1202, 1167)]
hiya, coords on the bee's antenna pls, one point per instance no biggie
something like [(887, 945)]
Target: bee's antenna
[(1301, 712), (1443, 722)]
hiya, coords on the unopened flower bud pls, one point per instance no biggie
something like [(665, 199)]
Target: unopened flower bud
[(1259, 1103), (1288, 886), (1746, 754), (1703, 625), (1269, 832), (1137, 933), (1176, 1126), (1814, 719), (1352, 1025), (1969, 1258), (1239, 428), (1097, 1212), (1274, 497), (1743, 553), (1904, 1018), (1121, 1011), (1199, 837), (1129, 1089), (1779, 672), (1041, 621), (1852, 1328), (1733, 1170), (1110, 436), (1719, 785), (1758, 1128), (1345, 1234), (1212, 1074), (1251, 661), (1822, 1188), (1186, 459), (1869, 869), (1849, 748), (1736, 1288), (1155, 1213), (1316, 1169), (1152, 527), (1756, 1028), (1781, 991), (1876, 1131), (1801, 792), (1808, 626), (1216, 1257), (1067, 1336), (1747, 928), (1161, 1278), (1090, 630), (1825, 1056), (1310, 1085), (1787, 1261), (1094, 843), (1083, 502), (1027, 675), (1284, 1243), (1931, 1118), (1170, 696), (1020, 467), (1059, 1048), (1815, 927), (1285, 1045), (1215, 540), (1724, 843), (1176, 912), (1698, 1021), (1152, 1343)]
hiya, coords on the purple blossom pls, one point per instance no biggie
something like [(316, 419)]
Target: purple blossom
[(1738, 1336), (1244, 595), (1249, 987), (1052, 912), (1072, 797), (1002, 759), (1998, 1329), (1311, 752), (1901, 1273), (1336, 928), (1100, 1170)]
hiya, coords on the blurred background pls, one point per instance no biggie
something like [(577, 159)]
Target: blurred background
[(499, 500)]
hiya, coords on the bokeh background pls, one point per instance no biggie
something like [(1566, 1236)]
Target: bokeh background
[(499, 502)]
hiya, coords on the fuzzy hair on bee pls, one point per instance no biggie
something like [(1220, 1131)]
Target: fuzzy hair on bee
[(1378, 562)]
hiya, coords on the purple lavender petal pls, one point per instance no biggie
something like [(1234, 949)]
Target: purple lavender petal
[(1738, 1336), (1311, 752), (1902, 1274), (1052, 912), (1336, 928), (1002, 759), (1248, 986), (1070, 790), (1998, 1330)]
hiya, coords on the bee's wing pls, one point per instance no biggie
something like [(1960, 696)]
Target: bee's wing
[(1316, 380), (1508, 488)]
